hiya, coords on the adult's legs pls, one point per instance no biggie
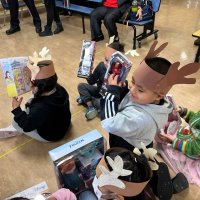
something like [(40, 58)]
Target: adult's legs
[(95, 22), (14, 13), (112, 16), (59, 27), (49, 5), (36, 18)]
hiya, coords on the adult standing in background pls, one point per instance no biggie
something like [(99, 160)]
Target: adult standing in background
[(110, 12), (14, 16), (52, 15)]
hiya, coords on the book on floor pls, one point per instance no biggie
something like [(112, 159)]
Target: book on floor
[(16, 75)]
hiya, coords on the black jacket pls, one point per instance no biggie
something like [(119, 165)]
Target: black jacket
[(49, 115)]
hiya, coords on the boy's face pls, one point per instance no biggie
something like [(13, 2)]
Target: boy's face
[(143, 96), (108, 52)]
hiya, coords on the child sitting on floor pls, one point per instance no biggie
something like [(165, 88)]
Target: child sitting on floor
[(144, 109), (180, 148), (89, 92), (47, 115)]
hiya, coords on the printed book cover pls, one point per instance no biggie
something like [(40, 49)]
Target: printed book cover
[(17, 78), (118, 65), (75, 162), (87, 58)]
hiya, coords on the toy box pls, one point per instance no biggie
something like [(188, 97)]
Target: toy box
[(75, 162), (87, 58), (118, 65), (16, 75)]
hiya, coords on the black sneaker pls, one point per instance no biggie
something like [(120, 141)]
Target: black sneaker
[(99, 38), (161, 182), (197, 42), (59, 28), (38, 29), (12, 30), (47, 32), (180, 183)]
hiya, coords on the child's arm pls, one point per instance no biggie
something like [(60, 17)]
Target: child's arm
[(122, 123), (94, 77), (190, 147)]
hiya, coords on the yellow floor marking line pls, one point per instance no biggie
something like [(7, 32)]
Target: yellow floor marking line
[(15, 148), (29, 140)]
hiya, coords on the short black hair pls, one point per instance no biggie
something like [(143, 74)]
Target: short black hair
[(159, 64), (117, 46), (45, 85), (139, 166)]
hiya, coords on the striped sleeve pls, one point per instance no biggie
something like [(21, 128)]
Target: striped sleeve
[(109, 105)]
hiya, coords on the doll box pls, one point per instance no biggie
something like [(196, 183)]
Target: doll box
[(75, 162), (86, 59), (118, 65), (17, 78)]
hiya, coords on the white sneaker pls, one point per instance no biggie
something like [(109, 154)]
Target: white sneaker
[(9, 131)]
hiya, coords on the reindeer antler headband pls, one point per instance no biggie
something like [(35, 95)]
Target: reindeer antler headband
[(152, 80), (111, 177), (42, 60)]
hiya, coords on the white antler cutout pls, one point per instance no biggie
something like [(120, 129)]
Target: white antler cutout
[(111, 177), (150, 154)]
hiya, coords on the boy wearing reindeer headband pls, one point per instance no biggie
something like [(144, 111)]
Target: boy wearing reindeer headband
[(144, 109), (47, 115)]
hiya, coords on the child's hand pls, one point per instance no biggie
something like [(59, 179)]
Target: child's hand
[(167, 138), (16, 102), (139, 14), (113, 80)]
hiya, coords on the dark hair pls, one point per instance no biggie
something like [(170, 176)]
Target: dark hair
[(160, 65), (117, 46), (45, 85), (139, 166)]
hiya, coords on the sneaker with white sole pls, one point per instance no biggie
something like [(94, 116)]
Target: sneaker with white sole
[(91, 113), (79, 100), (9, 131)]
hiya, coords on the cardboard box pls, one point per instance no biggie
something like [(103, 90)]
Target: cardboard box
[(16, 76), (87, 58), (75, 162), (118, 65)]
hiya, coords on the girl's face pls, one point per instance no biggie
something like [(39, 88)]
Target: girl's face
[(143, 96)]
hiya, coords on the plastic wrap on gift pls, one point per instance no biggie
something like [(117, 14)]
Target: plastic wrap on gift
[(87, 59), (117, 65), (75, 162)]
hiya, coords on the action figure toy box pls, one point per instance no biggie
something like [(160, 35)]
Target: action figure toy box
[(117, 65), (75, 162), (87, 59), (16, 75)]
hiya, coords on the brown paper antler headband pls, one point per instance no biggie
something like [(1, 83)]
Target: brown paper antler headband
[(148, 78)]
